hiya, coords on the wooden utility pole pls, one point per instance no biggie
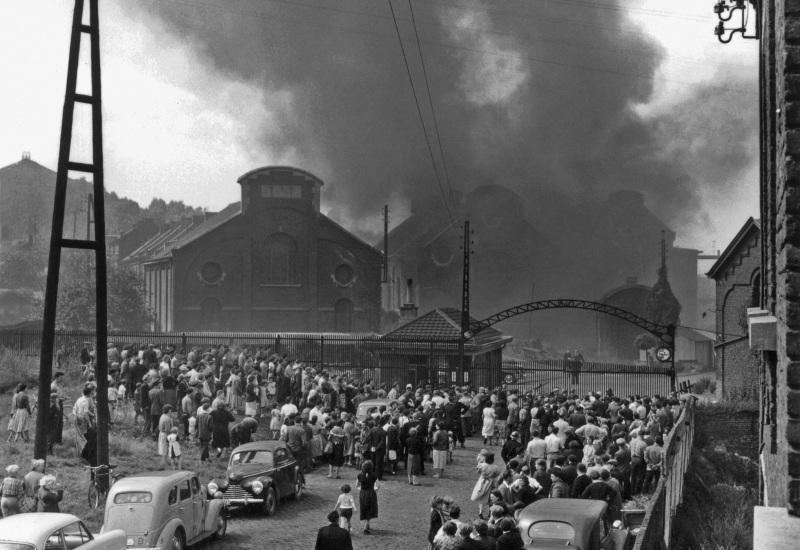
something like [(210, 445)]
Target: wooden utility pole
[(58, 242), (385, 274)]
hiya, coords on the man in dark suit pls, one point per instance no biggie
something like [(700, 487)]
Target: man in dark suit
[(376, 443), (510, 539), (333, 537)]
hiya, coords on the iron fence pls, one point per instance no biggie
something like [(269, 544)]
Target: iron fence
[(655, 532), (544, 375)]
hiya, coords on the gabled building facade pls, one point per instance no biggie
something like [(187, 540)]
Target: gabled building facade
[(737, 274), (272, 262)]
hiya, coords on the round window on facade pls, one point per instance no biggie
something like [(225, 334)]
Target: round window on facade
[(211, 273), (344, 274)]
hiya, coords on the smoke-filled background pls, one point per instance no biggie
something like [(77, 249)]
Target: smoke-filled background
[(550, 98)]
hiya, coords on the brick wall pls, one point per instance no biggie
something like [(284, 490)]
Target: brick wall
[(726, 430), (780, 214)]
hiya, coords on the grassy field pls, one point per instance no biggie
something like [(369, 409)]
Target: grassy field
[(132, 450)]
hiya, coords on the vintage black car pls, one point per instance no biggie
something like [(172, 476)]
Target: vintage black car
[(259, 474), (571, 522)]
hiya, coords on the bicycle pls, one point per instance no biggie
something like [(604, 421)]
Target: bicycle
[(97, 493)]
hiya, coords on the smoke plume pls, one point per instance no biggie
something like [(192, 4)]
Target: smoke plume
[(541, 97)]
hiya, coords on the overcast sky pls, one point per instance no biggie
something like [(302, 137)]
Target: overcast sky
[(611, 93)]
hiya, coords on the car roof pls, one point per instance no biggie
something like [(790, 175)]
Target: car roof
[(156, 479), (268, 445), (578, 512), (33, 527)]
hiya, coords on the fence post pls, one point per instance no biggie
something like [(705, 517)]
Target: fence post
[(322, 352)]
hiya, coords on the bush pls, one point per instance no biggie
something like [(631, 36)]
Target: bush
[(17, 369), (704, 384)]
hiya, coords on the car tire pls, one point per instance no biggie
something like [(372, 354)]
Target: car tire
[(222, 526), (177, 541), (299, 484), (270, 502)]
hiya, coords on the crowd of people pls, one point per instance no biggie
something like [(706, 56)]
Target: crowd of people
[(536, 446)]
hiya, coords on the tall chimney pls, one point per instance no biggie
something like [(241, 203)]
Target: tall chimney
[(408, 311)]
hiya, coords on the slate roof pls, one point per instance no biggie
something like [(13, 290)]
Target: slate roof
[(444, 324), (224, 215), (733, 250)]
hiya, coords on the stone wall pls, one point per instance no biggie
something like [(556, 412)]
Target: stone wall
[(780, 219)]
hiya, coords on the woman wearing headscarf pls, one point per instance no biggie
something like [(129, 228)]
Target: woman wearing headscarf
[(49, 495), (11, 491), (20, 414), (488, 423)]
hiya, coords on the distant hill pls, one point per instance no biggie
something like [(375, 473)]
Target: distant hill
[(26, 205)]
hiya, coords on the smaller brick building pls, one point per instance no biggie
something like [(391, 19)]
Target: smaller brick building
[(272, 262), (737, 274)]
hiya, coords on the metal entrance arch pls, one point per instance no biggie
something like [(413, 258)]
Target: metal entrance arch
[(664, 333)]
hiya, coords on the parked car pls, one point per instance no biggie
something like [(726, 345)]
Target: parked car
[(571, 522), (54, 532), (260, 473), (370, 406), (164, 510)]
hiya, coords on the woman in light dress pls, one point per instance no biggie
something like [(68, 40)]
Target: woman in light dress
[(488, 471), (488, 424)]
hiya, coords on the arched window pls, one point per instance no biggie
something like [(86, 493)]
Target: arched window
[(343, 316), (211, 314), (281, 260)]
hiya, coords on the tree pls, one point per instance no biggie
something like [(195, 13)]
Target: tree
[(76, 310)]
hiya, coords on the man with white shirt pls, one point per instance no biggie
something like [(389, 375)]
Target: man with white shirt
[(562, 426), (553, 443), (536, 450), (288, 409)]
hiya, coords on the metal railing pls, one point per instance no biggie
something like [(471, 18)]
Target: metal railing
[(655, 532)]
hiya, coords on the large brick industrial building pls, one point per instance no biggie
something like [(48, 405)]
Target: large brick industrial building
[(272, 262)]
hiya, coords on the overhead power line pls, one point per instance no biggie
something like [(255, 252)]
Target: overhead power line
[(421, 118), (433, 111)]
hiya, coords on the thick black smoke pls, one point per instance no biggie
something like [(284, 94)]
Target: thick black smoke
[(537, 96)]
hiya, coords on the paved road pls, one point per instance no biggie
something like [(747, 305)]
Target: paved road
[(402, 519)]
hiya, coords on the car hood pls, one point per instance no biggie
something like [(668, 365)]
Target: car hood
[(238, 473)]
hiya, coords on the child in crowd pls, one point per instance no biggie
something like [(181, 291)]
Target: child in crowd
[(174, 451), (192, 426), (346, 505), (275, 422)]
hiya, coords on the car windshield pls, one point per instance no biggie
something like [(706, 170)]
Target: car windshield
[(551, 530), (252, 457), (133, 498), (15, 546)]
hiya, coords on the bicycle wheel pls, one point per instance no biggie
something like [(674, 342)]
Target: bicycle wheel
[(94, 496)]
